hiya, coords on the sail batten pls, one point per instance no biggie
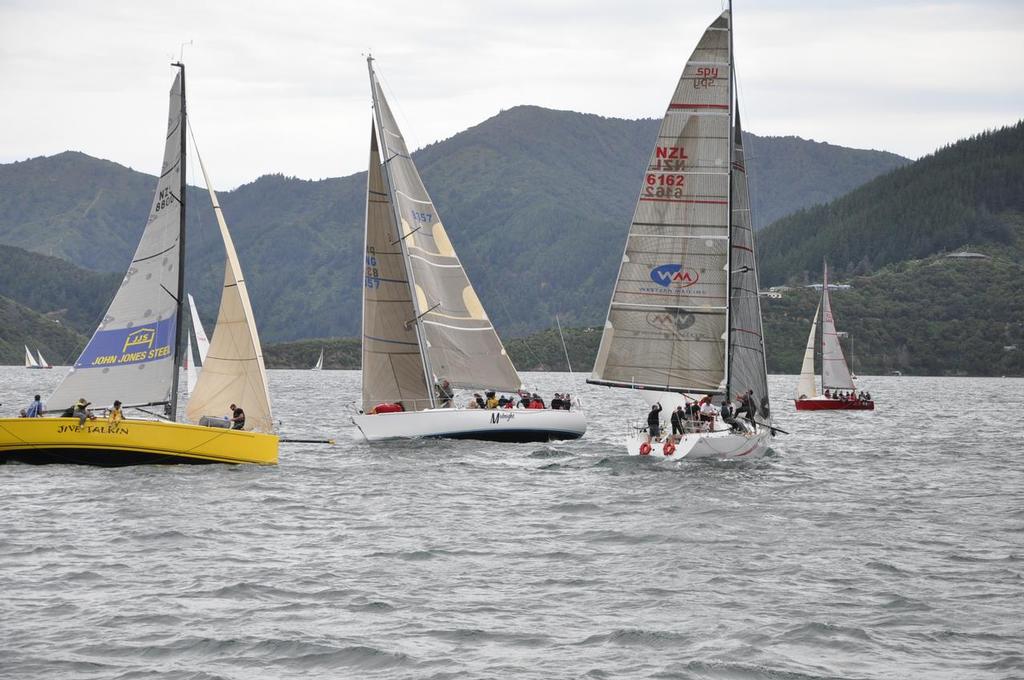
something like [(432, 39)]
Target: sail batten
[(677, 249)]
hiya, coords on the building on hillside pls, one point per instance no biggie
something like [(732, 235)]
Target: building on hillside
[(831, 286), (966, 255), (770, 293)]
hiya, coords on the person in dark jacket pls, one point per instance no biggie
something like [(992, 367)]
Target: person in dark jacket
[(677, 420), (654, 422)]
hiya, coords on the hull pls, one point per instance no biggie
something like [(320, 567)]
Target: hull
[(822, 404), (499, 425), (724, 445), (131, 442)]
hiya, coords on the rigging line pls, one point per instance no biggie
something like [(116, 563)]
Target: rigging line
[(406, 121), (575, 384)]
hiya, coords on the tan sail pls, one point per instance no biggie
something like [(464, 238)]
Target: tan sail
[(392, 365), (456, 338), (233, 372)]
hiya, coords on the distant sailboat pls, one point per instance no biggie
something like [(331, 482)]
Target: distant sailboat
[(423, 323), (42, 362), (684, 322), (30, 361), (319, 362), (835, 375), (134, 355), (202, 344)]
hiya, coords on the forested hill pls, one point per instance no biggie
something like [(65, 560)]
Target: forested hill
[(536, 203), (967, 195), (21, 326)]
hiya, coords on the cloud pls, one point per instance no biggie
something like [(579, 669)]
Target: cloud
[(276, 87)]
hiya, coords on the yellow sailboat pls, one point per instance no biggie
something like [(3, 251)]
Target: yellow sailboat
[(135, 354)]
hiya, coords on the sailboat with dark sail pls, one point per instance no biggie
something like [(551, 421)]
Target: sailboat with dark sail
[(425, 332), (684, 322), (134, 356)]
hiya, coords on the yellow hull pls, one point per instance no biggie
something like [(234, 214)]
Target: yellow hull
[(131, 442)]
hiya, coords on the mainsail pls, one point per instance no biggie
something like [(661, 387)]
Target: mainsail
[(392, 365), (834, 372), (454, 335), (667, 324), (233, 372), (42, 361), (202, 343), (747, 366), (805, 387), (30, 361), (132, 355), (319, 366)]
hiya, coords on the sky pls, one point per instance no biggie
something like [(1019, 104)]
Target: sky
[(282, 87)]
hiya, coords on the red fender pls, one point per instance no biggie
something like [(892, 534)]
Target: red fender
[(645, 449), (669, 448)]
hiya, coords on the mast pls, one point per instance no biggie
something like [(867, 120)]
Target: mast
[(386, 162), (172, 404), (732, 154)]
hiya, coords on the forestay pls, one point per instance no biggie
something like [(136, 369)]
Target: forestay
[(131, 355), (747, 366), (667, 326), (456, 337), (392, 366), (834, 372), (233, 372), (805, 387)]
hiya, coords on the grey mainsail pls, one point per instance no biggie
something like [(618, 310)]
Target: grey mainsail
[(455, 336), (834, 372), (667, 322), (392, 366), (747, 366), (131, 355)]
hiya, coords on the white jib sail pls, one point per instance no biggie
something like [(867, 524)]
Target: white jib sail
[(320, 361), (666, 327), (42, 361), (805, 387), (834, 372), (233, 372), (191, 375), (30, 361), (202, 343), (130, 356)]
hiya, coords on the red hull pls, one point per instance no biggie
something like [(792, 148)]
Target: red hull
[(833, 405)]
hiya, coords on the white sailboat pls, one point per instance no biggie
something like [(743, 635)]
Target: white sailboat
[(135, 353), (835, 374), (684, 322), (30, 361), (319, 366), (423, 323), (202, 343), (42, 362)]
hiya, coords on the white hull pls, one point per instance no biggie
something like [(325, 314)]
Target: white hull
[(504, 425), (724, 445)]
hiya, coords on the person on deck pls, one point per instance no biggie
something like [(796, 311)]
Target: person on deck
[(708, 413), (677, 420), (503, 401), (445, 394), (35, 409), (867, 396), (115, 416), (81, 411), (556, 402), (492, 400), (237, 417), (536, 399), (729, 415), (766, 411), (654, 423), (828, 395), (566, 402)]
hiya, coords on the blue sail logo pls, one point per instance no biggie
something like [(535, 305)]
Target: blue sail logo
[(674, 275)]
